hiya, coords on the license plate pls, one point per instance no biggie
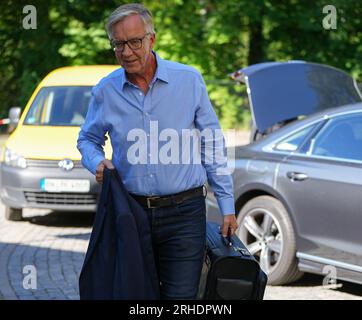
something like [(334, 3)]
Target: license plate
[(65, 185)]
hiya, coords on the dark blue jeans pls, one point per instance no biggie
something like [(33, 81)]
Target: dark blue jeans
[(179, 235)]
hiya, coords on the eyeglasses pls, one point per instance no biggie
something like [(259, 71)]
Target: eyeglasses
[(133, 44)]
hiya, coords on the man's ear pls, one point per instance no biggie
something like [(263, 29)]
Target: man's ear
[(152, 40)]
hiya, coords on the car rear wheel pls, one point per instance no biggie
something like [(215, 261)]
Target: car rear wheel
[(266, 230), (13, 214)]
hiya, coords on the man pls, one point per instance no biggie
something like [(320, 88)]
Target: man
[(146, 95)]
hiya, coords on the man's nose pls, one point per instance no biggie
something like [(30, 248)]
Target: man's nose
[(127, 51)]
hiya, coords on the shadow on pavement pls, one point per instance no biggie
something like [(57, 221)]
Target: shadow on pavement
[(63, 219), (313, 280), (351, 288), (308, 280), (79, 236)]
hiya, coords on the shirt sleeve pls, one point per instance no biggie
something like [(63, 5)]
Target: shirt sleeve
[(91, 139), (213, 150)]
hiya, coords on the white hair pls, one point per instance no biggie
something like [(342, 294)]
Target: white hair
[(127, 10)]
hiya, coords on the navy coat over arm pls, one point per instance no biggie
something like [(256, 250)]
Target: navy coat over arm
[(119, 262)]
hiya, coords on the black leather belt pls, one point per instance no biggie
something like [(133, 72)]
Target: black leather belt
[(168, 200)]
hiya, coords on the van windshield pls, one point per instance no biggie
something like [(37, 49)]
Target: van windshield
[(59, 106)]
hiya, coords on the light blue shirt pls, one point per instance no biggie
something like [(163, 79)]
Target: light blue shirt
[(176, 100)]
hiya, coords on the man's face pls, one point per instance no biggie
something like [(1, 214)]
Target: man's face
[(133, 61)]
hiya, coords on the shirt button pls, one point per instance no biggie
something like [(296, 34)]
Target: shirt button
[(140, 93), (151, 175)]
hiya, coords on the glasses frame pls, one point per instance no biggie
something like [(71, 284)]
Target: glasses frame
[(116, 43)]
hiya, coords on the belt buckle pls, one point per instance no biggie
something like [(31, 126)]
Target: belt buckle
[(149, 203)]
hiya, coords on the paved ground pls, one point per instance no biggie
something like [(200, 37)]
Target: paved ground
[(55, 244)]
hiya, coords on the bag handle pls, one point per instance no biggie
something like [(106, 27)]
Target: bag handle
[(228, 242)]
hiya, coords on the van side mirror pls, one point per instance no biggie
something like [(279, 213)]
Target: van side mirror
[(14, 115)]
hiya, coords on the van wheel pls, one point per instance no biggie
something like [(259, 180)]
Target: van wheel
[(13, 214), (266, 230)]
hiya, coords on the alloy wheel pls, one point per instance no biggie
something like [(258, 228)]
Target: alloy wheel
[(261, 233)]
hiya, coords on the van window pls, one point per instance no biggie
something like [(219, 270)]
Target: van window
[(59, 106)]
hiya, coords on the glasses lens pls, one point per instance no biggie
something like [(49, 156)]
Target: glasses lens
[(116, 45), (132, 43), (135, 43)]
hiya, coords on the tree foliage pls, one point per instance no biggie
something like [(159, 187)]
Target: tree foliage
[(216, 36)]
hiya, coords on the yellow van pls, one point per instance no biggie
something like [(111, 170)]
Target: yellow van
[(40, 164)]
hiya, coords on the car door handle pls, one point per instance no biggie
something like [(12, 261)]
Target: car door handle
[(297, 176)]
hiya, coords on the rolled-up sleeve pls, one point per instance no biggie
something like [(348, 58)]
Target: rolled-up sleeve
[(218, 175), (91, 137)]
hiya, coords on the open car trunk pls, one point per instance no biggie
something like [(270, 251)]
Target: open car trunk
[(281, 92)]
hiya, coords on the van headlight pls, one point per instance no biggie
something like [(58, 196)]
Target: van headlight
[(14, 160)]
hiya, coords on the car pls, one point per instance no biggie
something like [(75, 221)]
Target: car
[(297, 188), (40, 164)]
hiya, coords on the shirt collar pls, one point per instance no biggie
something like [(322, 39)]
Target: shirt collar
[(161, 72)]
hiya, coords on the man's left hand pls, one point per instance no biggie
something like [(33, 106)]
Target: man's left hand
[(229, 222)]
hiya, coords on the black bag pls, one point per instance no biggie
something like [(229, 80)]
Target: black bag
[(229, 272)]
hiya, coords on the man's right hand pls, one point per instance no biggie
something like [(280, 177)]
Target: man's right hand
[(100, 168)]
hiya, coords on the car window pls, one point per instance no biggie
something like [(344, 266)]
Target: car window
[(293, 142), (59, 106), (340, 138)]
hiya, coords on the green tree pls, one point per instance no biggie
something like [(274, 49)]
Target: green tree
[(216, 37)]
